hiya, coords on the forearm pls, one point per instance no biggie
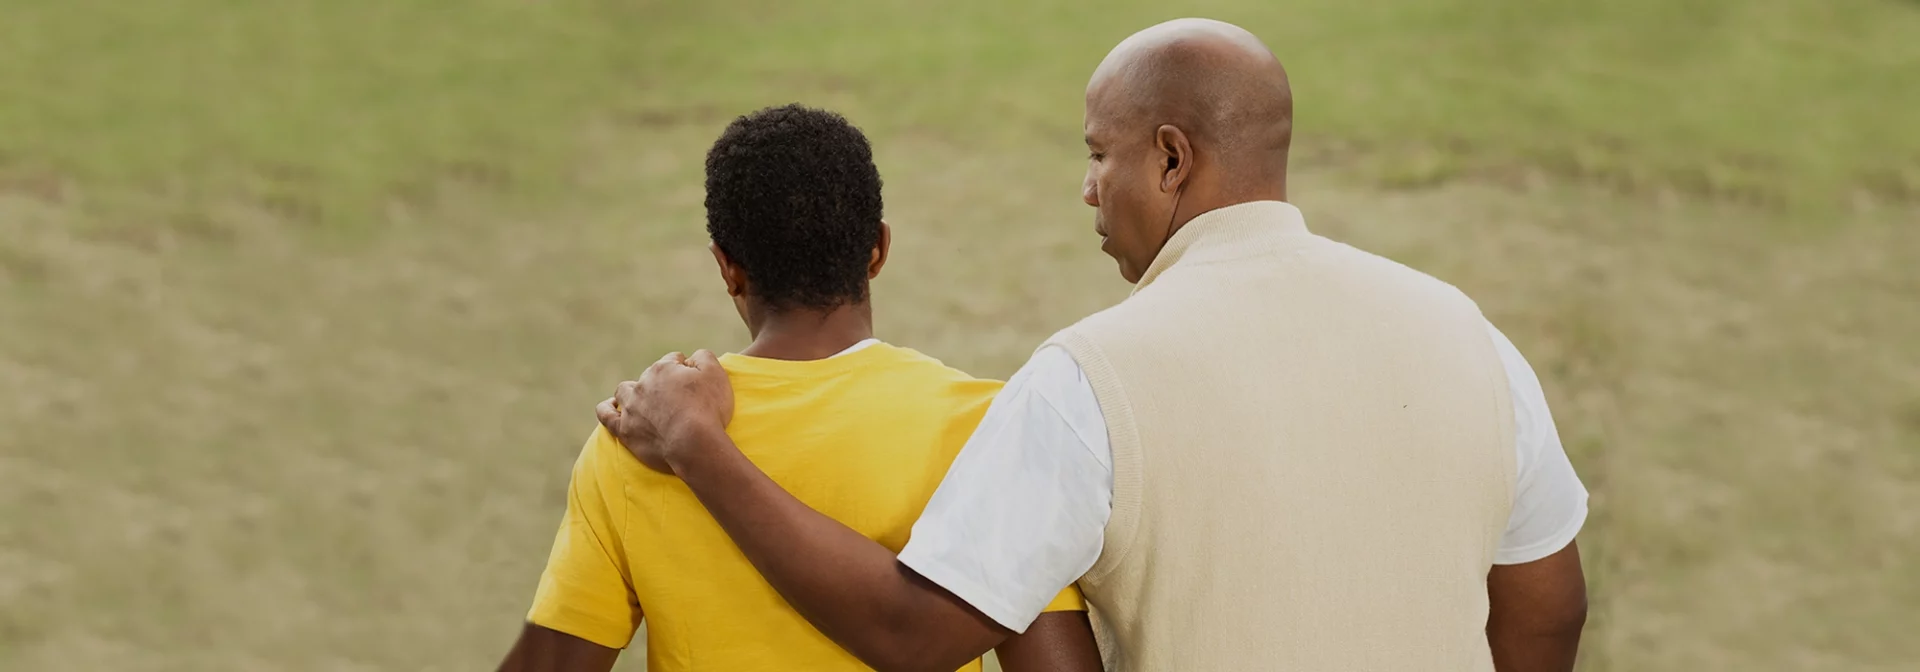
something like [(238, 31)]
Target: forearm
[(850, 587)]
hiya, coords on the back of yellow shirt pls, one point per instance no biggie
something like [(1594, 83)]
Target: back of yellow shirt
[(863, 438)]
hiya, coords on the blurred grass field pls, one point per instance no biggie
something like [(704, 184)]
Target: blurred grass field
[(303, 303)]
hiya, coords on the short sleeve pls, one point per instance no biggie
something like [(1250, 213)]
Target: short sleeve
[(1068, 600), (1549, 501), (584, 591), (1022, 512)]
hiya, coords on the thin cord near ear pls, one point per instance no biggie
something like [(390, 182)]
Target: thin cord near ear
[(1172, 215), (1177, 191)]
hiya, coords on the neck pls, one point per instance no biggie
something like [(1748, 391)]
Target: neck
[(1208, 196), (808, 334), (1265, 189)]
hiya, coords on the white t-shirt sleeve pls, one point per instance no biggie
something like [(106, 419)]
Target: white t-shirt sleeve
[(1021, 513), (1549, 502)]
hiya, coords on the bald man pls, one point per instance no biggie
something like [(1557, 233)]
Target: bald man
[(1279, 453)]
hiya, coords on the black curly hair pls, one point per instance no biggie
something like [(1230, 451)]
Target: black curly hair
[(793, 197)]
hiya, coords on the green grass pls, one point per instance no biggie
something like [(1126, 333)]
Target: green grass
[(338, 106), (302, 303)]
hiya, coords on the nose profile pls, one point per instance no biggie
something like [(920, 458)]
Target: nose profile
[(1090, 191)]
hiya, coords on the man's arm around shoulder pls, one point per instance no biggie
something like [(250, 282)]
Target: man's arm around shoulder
[(1058, 641)]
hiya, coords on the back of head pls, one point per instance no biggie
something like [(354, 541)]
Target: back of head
[(1215, 80), (793, 198)]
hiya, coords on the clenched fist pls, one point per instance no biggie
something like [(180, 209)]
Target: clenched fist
[(670, 411)]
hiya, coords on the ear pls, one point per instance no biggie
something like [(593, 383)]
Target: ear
[(731, 273), (1176, 156), (880, 250)]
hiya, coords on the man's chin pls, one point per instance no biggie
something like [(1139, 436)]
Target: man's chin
[(1117, 261)]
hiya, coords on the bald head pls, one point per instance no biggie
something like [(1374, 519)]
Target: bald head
[(1215, 81), (1182, 118)]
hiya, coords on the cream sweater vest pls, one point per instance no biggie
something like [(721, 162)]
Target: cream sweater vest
[(1312, 457)]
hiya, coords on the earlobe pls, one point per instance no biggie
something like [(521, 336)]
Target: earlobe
[(730, 273), (881, 248), (1171, 179)]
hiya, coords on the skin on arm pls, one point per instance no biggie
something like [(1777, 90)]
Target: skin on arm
[(850, 587), (1057, 641), (542, 650), (1536, 612)]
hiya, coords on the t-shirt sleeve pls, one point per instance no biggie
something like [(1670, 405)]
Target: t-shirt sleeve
[(1549, 501), (1068, 600), (1022, 512), (584, 591)]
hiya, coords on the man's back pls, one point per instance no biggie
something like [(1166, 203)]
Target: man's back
[(863, 437), (1313, 457)]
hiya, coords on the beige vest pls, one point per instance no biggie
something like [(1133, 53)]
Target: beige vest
[(1312, 457)]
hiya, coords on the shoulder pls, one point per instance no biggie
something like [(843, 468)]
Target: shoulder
[(1372, 268), (1053, 367), (923, 365), (604, 461), (934, 377)]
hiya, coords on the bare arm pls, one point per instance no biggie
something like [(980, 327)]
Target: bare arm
[(1059, 641), (542, 650), (1536, 612), (850, 587)]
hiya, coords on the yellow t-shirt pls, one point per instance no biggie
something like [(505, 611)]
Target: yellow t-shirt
[(863, 438)]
